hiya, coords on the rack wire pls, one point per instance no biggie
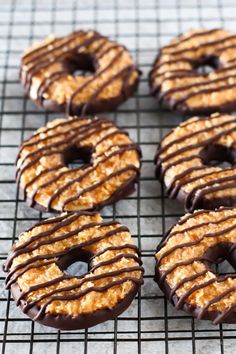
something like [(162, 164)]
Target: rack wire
[(151, 324)]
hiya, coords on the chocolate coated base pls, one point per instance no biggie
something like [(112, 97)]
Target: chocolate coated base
[(65, 322)]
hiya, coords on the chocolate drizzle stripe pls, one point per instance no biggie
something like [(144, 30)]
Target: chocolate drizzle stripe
[(75, 286), (198, 225), (58, 176), (44, 63), (212, 190), (66, 251), (38, 176), (201, 92), (185, 280), (47, 82), (174, 189), (41, 285), (38, 49), (95, 76), (19, 172), (61, 237), (110, 48), (22, 248), (177, 265), (185, 218), (215, 300), (191, 74), (59, 151), (116, 132), (231, 46), (177, 71), (202, 143), (203, 45), (52, 220), (115, 259), (172, 61), (164, 94), (10, 279), (60, 41), (56, 126), (84, 292), (190, 135), (59, 226), (101, 182), (161, 172), (182, 298), (182, 39), (182, 125), (58, 238), (201, 286), (84, 134), (116, 248), (121, 146), (54, 179), (198, 192), (155, 90), (80, 178), (120, 73), (194, 243)]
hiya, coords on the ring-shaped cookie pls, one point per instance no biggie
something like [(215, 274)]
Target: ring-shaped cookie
[(47, 294), (184, 262), (112, 162), (177, 84), (188, 161), (49, 73)]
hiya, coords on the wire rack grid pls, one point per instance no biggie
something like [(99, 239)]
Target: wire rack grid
[(150, 325)]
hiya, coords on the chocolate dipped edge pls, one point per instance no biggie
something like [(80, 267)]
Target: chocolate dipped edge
[(96, 106), (65, 322), (203, 203), (192, 310), (124, 191), (186, 109)]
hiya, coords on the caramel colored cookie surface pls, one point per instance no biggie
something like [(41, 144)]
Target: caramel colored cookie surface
[(48, 73), (37, 262), (184, 262), (196, 162), (177, 83), (111, 169)]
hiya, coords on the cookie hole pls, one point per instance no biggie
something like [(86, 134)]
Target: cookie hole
[(80, 65), (77, 157), (204, 69), (224, 268), (77, 269), (76, 263), (206, 65), (214, 155), (221, 259)]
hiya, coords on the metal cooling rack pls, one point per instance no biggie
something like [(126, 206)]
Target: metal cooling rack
[(150, 325)]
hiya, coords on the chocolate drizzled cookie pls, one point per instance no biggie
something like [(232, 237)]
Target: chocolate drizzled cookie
[(189, 162), (48, 67), (177, 84), (112, 162), (43, 290), (184, 259)]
